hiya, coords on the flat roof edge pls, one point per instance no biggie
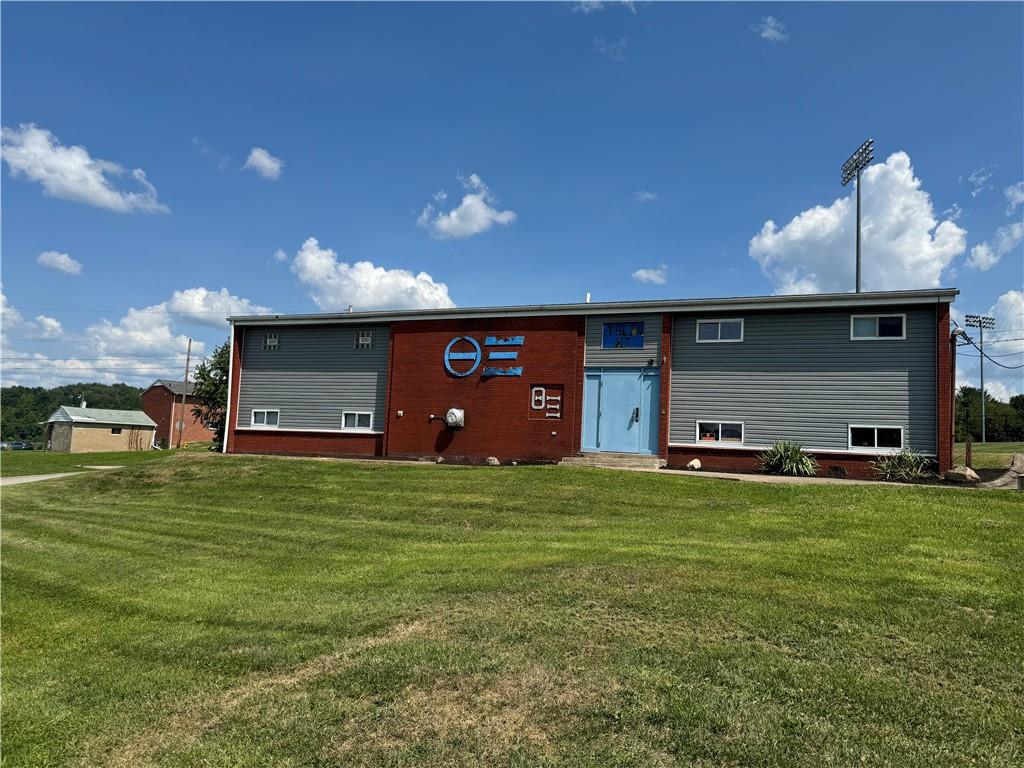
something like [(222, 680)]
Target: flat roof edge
[(807, 300)]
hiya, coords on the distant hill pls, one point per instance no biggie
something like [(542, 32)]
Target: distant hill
[(22, 408)]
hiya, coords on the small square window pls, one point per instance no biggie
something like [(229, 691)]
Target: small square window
[(710, 331), (270, 342), (873, 327), (884, 439), (364, 340), (862, 437), (115, 430), (720, 431), (265, 418), (889, 437), (357, 420)]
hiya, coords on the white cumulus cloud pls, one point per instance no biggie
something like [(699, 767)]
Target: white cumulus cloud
[(1014, 197), (474, 215), (643, 196), (49, 327), (201, 305), (986, 255), (336, 285), (771, 29), (59, 261), (1004, 345), (70, 173), (903, 246), (264, 163), (653, 275)]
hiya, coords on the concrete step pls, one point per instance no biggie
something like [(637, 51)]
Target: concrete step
[(613, 461)]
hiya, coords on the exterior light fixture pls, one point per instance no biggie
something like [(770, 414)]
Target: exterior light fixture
[(858, 161), (981, 322)]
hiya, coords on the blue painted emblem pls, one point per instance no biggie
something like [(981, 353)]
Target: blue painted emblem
[(473, 356), (489, 371), (623, 336)]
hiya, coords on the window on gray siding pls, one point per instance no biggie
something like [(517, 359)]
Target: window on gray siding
[(720, 431), (265, 418), (364, 340), (877, 437), (866, 327), (357, 420), (270, 342), (719, 330)]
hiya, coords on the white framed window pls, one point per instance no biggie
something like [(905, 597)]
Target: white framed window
[(720, 432), (877, 327), (265, 418), (357, 420), (270, 342), (364, 340), (875, 437), (718, 331)]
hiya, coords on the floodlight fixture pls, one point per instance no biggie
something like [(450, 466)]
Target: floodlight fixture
[(982, 323), (851, 169)]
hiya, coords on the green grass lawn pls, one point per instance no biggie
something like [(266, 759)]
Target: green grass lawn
[(988, 455), (14, 463), (202, 610)]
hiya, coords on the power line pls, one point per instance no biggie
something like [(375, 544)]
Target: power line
[(993, 361)]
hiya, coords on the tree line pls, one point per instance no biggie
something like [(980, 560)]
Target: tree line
[(1004, 422), (23, 408)]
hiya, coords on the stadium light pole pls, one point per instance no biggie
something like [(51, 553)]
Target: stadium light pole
[(981, 322), (858, 161)]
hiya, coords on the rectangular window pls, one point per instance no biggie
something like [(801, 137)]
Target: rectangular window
[(623, 336), (115, 431), (720, 432), (710, 331), (364, 340), (270, 342), (873, 437), (357, 420), (265, 419), (874, 327)]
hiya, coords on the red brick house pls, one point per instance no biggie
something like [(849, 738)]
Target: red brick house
[(162, 402)]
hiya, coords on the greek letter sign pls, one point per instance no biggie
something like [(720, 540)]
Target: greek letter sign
[(457, 360), (463, 356)]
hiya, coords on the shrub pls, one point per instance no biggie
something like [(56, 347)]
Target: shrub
[(903, 466), (788, 458)]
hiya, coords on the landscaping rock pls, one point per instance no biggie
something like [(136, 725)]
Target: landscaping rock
[(492, 461), (962, 474), (439, 460), (694, 464)]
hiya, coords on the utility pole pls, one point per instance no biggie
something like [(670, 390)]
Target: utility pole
[(981, 322), (851, 169), (184, 393)]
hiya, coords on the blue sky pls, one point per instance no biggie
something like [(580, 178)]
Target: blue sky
[(631, 151)]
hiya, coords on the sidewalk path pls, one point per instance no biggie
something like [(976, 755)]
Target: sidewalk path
[(19, 479)]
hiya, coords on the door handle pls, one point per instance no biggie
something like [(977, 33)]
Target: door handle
[(636, 413)]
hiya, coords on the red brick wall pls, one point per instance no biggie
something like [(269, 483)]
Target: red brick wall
[(734, 460), (300, 443), (159, 404), (497, 408), (945, 381)]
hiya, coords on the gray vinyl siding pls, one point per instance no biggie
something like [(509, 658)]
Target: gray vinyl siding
[(595, 356), (798, 376), (314, 375)]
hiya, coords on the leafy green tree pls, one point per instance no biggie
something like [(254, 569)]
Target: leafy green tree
[(23, 408), (211, 392), (1003, 422)]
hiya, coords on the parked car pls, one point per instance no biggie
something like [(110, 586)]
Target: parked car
[(19, 445)]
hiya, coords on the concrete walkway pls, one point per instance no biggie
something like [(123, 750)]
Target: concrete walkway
[(19, 479), (1008, 480)]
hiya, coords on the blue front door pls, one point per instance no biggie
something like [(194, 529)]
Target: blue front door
[(620, 410)]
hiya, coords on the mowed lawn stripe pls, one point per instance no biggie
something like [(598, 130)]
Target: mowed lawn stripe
[(211, 610)]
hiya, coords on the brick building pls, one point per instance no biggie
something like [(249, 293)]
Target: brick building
[(850, 376), (163, 402)]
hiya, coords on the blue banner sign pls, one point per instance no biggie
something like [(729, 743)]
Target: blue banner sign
[(511, 341), (502, 371), (623, 336)]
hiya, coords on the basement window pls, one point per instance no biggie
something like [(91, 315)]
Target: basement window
[(265, 419), (115, 430), (730, 432), (364, 340), (712, 331), (270, 342), (875, 327), (875, 437), (359, 420)]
